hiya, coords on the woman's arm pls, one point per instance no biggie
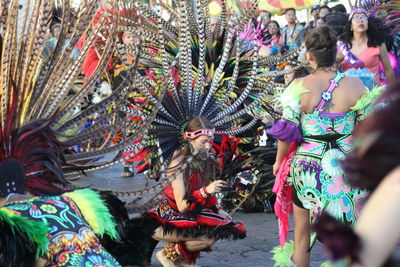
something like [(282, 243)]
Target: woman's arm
[(282, 149), (378, 226), (384, 58), (178, 187)]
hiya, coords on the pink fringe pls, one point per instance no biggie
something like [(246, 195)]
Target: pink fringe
[(283, 204)]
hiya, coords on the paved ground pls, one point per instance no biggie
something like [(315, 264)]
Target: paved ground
[(253, 251)]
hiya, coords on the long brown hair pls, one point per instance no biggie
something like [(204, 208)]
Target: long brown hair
[(209, 166)]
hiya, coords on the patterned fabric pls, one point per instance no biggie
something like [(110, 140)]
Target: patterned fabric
[(283, 204), (292, 38), (206, 223), (315, 171), (71, 241)]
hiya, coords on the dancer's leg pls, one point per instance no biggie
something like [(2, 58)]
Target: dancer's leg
[(199, 244), (192, 244), (301, 256)]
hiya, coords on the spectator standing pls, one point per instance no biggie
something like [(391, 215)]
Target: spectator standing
[(324, 11), (293, 32), (275, 33), (315, 14), (339, 8), (264, 18)]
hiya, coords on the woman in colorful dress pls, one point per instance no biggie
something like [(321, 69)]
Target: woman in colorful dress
[(275, 33), (320, 112), (190, 217), (363, 46), (374, 165)]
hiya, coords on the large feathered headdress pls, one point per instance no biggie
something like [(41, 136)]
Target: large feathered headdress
[(45, 135), (208, 72)]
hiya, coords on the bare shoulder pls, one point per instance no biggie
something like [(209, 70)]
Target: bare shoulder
[(354, 84), (298, 80), (176, 160), (393, 178)]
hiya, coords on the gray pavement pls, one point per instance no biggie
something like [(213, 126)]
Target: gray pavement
[(253, 251)]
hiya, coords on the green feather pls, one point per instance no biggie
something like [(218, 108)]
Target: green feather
[(35, 231), (282, 256), (291, 96), (95, 212), (367, 98)]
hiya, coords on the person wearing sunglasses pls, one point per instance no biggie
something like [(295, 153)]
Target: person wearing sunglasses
[(363, 46), (275, 32)]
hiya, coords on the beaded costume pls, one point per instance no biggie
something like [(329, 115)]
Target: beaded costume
[(201, 220), (323, 139), (63, 228)]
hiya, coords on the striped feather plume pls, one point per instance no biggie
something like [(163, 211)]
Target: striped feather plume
[(56, 123), (207, 71)]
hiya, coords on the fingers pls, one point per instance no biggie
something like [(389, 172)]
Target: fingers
[(215, 187), (221, 183)]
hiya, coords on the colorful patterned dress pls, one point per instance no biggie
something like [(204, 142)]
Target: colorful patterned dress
[(323, 141), (64, 228), (201, 220)]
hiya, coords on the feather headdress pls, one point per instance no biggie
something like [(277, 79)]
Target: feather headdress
[(45, 137), (207, 71)]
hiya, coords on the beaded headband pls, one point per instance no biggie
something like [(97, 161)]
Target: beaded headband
[(357, 11), (197, 133)]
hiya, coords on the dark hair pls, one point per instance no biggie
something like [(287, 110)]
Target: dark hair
[(278, 34), (53, 26), (379, 152), (300, 72), (210, 166), (376, 35), (321, 42), (327, 7), (316, 7), (265, 11), (290, 9), (337, 21), (339, 8)]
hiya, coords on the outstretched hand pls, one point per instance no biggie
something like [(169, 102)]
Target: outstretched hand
[(215, 187)]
